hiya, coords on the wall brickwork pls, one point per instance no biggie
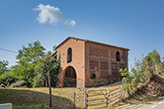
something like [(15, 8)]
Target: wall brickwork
[(78, 62), (101, 60)]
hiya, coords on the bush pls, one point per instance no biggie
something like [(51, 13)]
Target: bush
[(18, 83), (37, 81), (7, 79), (54, 79)]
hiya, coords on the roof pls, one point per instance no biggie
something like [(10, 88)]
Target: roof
[(90, 42)]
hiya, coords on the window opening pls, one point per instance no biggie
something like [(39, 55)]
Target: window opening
[(117, 56), (69, 57)]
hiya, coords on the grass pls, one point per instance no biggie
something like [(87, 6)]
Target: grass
[(62, 98), (37, 98), (138, 99)]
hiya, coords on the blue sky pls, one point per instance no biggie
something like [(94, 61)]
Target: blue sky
[(134, 24)]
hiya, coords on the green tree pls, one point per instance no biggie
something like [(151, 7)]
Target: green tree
[(154, 61), (45, 65), (142, 70), (7, 78), (3, 67), (54, 48), (27, 60)]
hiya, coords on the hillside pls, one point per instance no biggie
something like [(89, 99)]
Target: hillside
[(151, 91)]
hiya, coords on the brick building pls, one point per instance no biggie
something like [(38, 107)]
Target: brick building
[(87, 63)]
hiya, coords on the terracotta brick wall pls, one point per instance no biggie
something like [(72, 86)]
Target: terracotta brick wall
[(101, 60), (78, 61)]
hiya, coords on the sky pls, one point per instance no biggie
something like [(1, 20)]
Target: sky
[(134, 24)]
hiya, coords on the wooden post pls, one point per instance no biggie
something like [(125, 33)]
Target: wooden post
[(49, 84), (123, 82), (120, 93), (85, 99)]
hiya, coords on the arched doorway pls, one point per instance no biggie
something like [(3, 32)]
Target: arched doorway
[(70, 77)]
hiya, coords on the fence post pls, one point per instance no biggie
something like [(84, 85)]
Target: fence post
[(106, 98), (123, 81), (49, 84), (85, 99), (109, 100)]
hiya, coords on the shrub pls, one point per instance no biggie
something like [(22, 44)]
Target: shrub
[(37, 81), (7, 78)]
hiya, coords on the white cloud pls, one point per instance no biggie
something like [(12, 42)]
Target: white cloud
[(52, 14), (71, 22)]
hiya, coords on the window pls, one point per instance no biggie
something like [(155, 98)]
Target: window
[(69, 56), (117, 56)]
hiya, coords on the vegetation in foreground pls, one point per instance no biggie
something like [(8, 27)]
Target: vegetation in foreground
[(38, 98), (62, 98), (142, 71), (151, 91), (33, 63), (145, 82)]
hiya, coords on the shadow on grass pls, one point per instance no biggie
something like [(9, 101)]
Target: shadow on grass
[(25, 98)]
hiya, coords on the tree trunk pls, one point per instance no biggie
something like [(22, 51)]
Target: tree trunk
[(49, 84)]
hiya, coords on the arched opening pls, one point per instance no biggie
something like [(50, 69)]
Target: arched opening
[(117, 56), (70, 77), (69, 55)]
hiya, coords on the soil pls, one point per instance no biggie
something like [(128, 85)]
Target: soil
[(154, 86)]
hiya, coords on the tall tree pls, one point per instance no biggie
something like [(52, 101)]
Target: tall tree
[(153, 60), (142, 70), (54, 48), (27, 60), (3, 67), (48, 66)]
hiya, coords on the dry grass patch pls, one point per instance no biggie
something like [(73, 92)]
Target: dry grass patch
[(36, 98)]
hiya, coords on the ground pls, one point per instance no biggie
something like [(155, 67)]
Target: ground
[(151, 91), (68, 98), (31, 98)]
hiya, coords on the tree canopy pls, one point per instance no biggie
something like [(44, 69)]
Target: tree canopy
[(143, 69), (29, 59), (3, 67), (44, 65)]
